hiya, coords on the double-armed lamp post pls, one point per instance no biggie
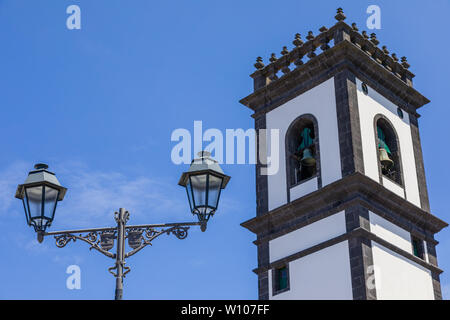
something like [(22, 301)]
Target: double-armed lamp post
[(41, 192)]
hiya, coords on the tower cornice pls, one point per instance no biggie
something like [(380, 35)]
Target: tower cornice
[(336, 197), (352, 50), (356, 233)]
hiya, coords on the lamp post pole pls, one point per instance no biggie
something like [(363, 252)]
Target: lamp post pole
[(121, 220)]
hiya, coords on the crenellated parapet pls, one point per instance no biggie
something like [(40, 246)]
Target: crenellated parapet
[(328, 50), (304, 52)]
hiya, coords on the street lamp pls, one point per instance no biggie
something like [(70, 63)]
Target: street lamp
[(203, 182), (41, 192)]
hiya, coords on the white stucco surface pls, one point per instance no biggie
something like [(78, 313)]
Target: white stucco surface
[(390, 232), (303, 189), (395, 188), (369, 106), (308, 236), (397, 278), (321, 275), (321, 103)]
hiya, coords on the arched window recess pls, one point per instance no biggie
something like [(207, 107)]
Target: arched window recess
[(388, 151), (302, 150)]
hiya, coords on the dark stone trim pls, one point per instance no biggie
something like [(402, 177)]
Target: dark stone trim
[(361, 233), (347, 204), (343, 55), (436, 286), (431, 252), (274, 280), (318, 174), (262, 188), (262, 206), (350, 142), (360, 253), (263, 286), (420, 168), (263, 280), (432, 259), (357, 216), (353, 187), (360, 260)]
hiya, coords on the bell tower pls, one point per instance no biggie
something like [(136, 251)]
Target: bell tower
[(346, 215)]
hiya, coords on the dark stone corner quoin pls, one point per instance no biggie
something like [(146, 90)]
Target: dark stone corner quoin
[(344, 53)]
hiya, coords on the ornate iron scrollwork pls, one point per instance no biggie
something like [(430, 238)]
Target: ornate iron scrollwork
[(101, 244), (138, 238), (127, 270), (180, 232)]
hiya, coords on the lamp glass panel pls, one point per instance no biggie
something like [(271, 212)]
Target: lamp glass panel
[(34, 200), (51, 197), (199, 191), (189, 193), (215, 185), (25, 207)]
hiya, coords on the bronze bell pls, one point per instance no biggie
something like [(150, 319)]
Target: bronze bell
[(386, 162), (307, 159)]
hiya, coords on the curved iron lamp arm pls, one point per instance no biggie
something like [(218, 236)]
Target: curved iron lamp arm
[(90, 236), (140, 237), (103, 240)]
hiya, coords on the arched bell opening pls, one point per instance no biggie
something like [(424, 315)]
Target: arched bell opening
[(388, 150), (302, 150)]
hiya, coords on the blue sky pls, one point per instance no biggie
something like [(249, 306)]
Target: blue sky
[(99, 106)]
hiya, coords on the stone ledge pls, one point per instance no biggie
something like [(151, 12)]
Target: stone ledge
[(356, 233), (338, 195)]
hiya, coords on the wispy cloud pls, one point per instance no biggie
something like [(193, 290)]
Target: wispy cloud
[(94, 195), (68, 260)]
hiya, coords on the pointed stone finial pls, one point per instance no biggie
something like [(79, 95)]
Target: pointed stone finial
[(323, 29), (364, 33), (298, 62), (385, 50), (373, 39), (354, 27), (273, 58), (298, 40), (405, 63), (310, 36), (259, 64), (394, 57), (340, 16), (285, 51)]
